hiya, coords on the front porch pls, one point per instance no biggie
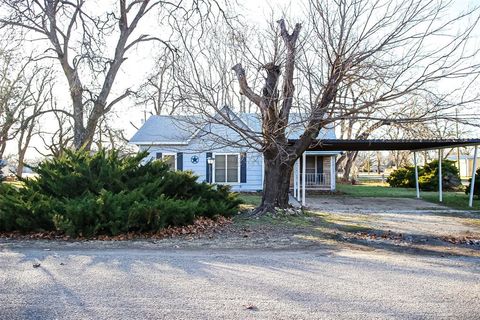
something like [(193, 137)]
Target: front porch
[(316, 171)]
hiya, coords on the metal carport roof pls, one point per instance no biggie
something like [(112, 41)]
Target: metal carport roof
[(386, 144)]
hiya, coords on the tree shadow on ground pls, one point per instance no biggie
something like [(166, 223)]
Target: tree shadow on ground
[(364, 236)]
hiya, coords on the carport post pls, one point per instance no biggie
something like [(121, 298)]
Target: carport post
[(416, 174), (440, 175), (472, 184), (304, 160)]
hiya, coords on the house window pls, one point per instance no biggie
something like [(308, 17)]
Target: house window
[(170, 159), (227, 168)]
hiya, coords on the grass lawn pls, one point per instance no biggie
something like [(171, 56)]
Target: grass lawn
[(457, 200), (250, 199)]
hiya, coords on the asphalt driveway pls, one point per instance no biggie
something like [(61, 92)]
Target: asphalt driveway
[(89, 282)]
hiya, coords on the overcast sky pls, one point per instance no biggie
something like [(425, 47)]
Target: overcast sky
[(139, 62)]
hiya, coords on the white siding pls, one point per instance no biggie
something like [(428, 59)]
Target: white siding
[(200, 146), (254, 164)]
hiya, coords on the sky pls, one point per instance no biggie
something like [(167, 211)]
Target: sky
[(139, 62)]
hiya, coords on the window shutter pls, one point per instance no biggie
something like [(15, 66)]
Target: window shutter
[(159, 156), (180, 161), (243, 167), (208, 170)]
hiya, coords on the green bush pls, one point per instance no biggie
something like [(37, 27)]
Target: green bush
[(476, 188), (104, 193), (402, 178), (427, 176)]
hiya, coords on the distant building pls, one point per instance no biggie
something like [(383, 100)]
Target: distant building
[(466, 164)]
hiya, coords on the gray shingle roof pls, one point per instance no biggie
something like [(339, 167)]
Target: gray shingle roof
[(164, 129), (181, 129)]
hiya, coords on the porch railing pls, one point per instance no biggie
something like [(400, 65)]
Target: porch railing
[(316, 180)]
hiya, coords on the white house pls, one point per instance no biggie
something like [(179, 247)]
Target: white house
[(205, 150)]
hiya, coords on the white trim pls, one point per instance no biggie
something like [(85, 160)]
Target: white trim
[(333, 171), (304, 168), (295, 179), (214, 155), (298, 180), (159, 143), (323, 153), (170, 154)]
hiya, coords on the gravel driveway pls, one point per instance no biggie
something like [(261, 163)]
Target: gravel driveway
[(105, 282), (401, 215)]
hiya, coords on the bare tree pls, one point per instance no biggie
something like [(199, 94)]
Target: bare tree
[(159, 90), (14, 93), (78, 39), (29, 117), (386, 51), (25, 89)]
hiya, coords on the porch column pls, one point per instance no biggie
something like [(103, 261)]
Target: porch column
[(333, 171), (304, 163), (416, 174), (295, 180), (298, 180), (472, 184), (440, 175)]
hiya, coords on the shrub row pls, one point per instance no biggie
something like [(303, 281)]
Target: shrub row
[(103, 193), (427, 176)]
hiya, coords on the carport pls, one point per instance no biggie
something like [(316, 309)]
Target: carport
[(413, 145)]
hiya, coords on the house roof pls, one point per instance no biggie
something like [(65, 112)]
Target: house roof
[(395, 144), (165, 130), (180, 130)]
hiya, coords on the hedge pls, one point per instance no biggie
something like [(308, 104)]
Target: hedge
[(104, 193), (427, 176)]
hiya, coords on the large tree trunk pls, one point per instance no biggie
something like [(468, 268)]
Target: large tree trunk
[(276, 185), (351, 158)]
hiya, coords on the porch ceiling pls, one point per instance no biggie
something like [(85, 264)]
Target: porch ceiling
[(384, 144)]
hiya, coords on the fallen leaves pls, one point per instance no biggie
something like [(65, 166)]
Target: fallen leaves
[(468, 240), (47, 235), (201, 226)]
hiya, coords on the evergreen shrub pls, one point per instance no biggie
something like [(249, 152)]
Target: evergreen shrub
[(106, 194), (427, 176)]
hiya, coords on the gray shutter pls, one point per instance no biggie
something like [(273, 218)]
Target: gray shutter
[(208, 170), (159, 156), (180, 161), (243, 167)]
